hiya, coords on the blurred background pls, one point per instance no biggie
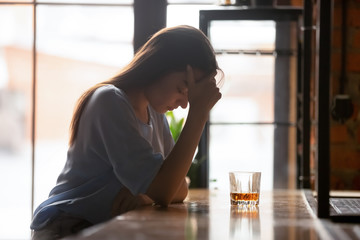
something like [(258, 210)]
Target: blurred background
[(52, 51)]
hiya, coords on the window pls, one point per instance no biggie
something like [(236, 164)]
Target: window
[(78, 43), (241, 124), (77, 47), (15, 120)]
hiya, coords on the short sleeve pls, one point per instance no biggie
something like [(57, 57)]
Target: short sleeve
[(113, 134)]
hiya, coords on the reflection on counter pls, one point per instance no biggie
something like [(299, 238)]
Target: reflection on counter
[(244, 222), (191, 228), (196, 222)]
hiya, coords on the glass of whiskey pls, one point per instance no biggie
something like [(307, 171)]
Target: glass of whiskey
[(245, 188)]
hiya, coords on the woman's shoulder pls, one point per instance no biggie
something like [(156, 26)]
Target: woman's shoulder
[(108, 91), (108, 98), (109, 94)]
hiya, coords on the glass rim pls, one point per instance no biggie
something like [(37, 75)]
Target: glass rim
[(243, 172)]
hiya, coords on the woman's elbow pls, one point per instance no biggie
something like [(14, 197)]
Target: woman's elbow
[(164, 202), (164, 198), (179, 197)]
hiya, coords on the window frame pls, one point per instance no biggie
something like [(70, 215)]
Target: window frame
[(280, 16)]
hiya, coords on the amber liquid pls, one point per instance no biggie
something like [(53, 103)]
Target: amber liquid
[(244, 198)]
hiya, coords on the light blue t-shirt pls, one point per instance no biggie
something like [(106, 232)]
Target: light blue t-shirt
[(112, 149)]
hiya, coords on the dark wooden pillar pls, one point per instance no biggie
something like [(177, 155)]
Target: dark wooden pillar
[(149, 17)]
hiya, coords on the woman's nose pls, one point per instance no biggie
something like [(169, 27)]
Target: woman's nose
[(183, 102)]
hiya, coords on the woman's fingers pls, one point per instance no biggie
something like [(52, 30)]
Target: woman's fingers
[(203, 93), (143, 199), (210, 77), (208, 92), (125, 201)]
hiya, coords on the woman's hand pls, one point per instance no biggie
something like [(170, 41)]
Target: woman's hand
[(203, 94), (125, 201)]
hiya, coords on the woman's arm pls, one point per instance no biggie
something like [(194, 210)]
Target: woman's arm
[(202, 97)]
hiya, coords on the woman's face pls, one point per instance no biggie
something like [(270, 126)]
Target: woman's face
[(170, 92)]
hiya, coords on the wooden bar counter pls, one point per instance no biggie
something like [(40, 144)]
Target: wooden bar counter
[(207, 214)]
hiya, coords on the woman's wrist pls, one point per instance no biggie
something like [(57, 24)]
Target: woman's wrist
[(198, 114)]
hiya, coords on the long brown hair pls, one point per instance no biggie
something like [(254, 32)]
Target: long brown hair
[(169, 50)]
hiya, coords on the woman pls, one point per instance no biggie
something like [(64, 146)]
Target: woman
[(121, 154)]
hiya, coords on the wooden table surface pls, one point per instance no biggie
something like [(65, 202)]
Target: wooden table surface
[(207, 214)]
